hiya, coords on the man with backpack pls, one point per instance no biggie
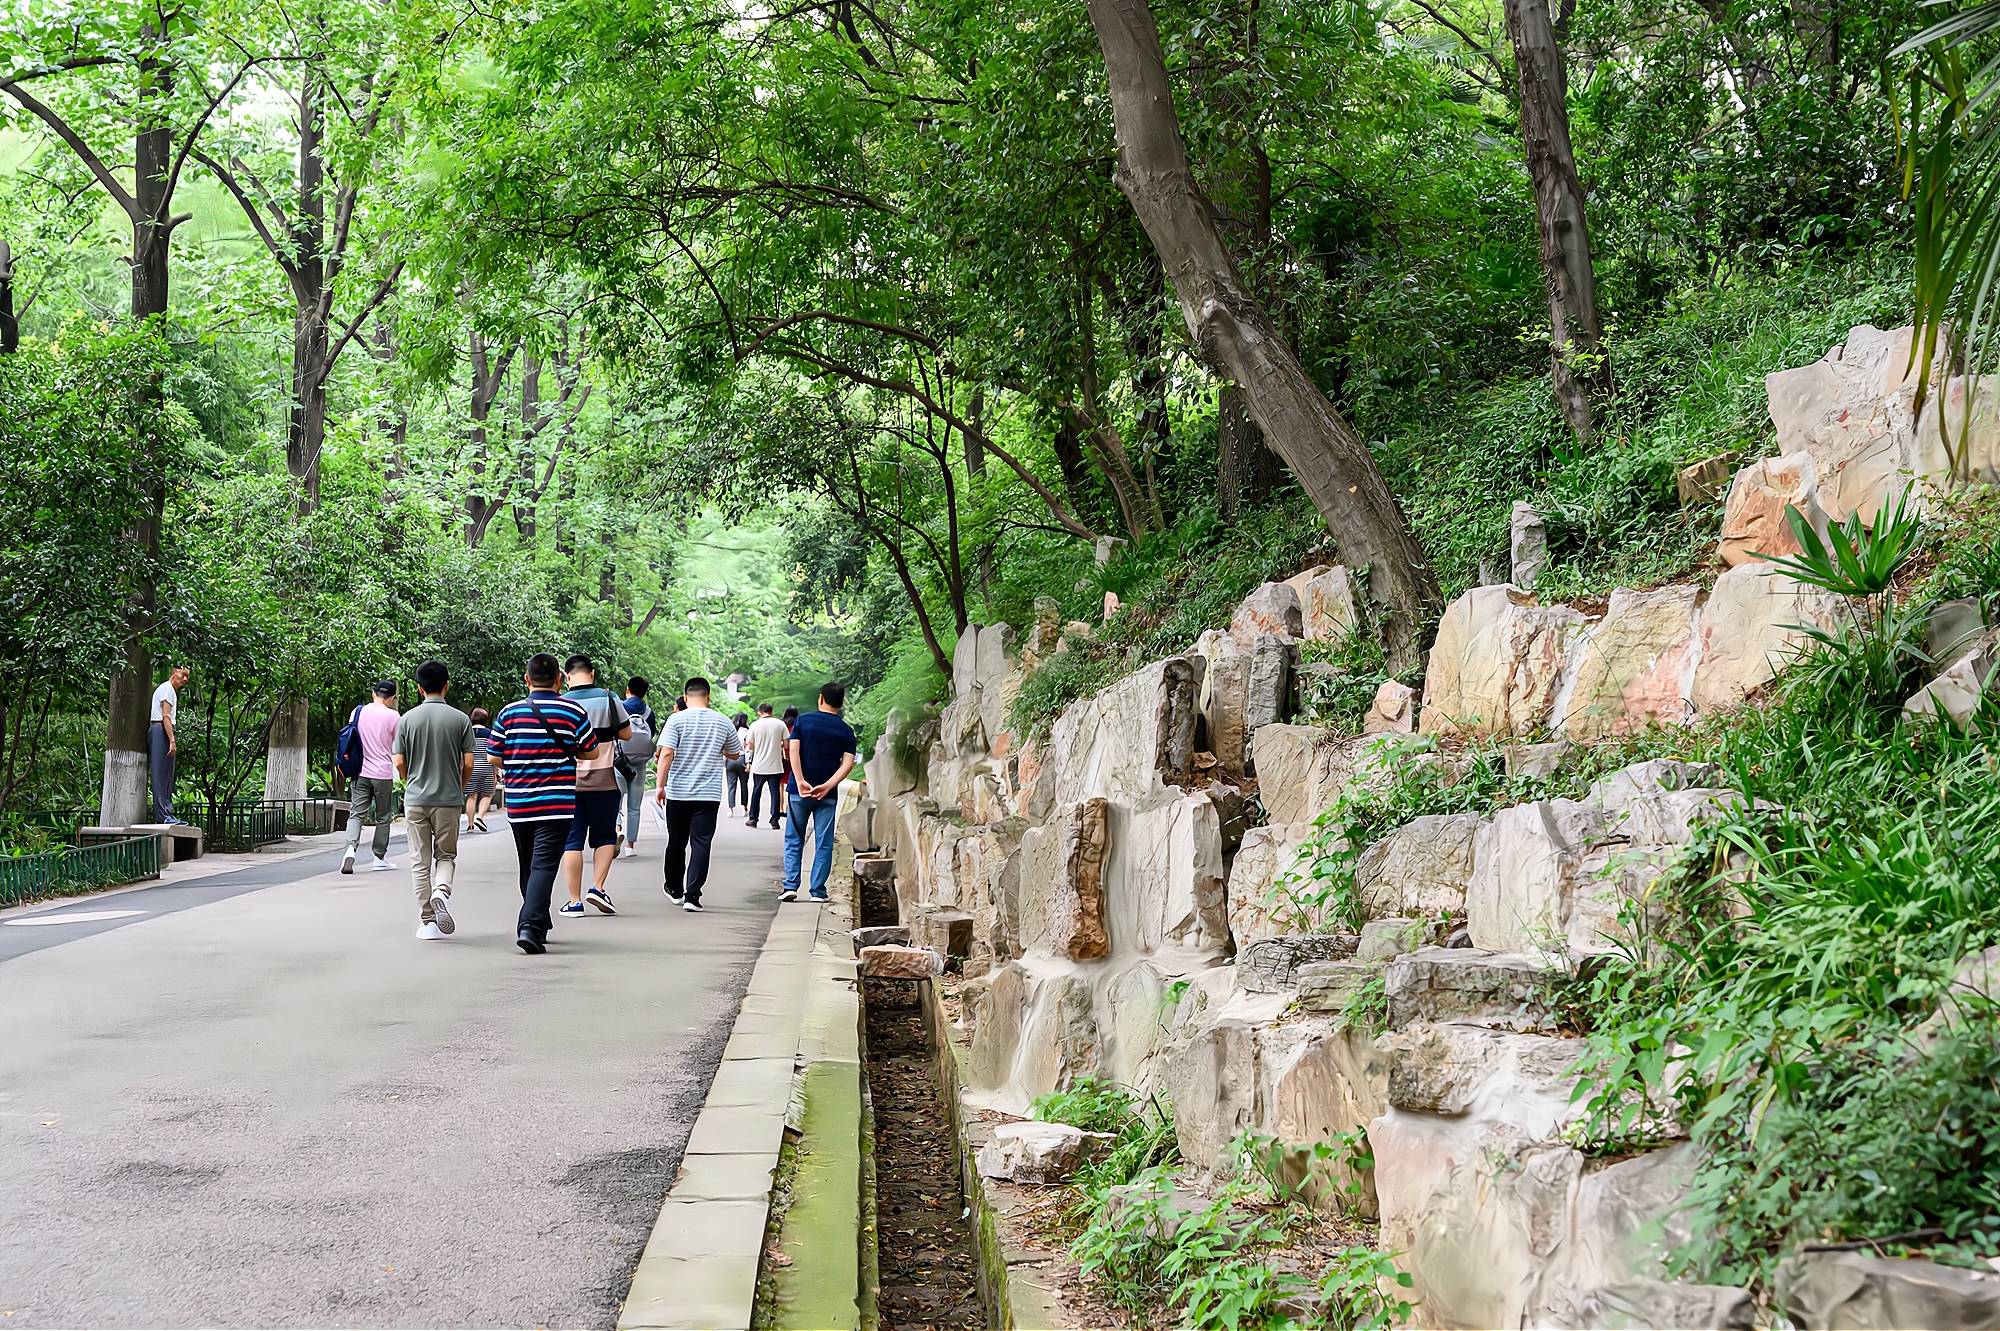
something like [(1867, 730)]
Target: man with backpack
[(367, 754), (596, 821), (535, 743), (635, 753)]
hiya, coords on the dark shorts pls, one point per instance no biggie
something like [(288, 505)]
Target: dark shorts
[(596, 817)]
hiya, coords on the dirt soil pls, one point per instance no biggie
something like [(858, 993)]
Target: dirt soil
[(925, 1246)]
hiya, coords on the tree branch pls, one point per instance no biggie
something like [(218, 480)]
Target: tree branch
[(84, 152)]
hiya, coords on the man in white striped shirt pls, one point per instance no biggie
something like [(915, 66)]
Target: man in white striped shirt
[(693, 750)]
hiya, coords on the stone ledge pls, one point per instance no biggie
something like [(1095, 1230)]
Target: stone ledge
[(700, 1265)]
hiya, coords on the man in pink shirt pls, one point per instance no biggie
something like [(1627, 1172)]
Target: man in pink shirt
[(372, 798)]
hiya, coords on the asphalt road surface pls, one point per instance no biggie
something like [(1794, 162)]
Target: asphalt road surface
[(261, 1101)]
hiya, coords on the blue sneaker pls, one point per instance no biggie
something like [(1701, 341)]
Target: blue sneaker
[(601, 899), (570, 908)]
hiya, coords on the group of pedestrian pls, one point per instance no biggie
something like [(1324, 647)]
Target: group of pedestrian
[(572, 767)]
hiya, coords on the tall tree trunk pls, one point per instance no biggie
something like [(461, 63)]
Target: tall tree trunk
[(1576, 336), (1240, 339), (10, 327), (305, 433), (1247, 471), (123, 799), (287, 754)]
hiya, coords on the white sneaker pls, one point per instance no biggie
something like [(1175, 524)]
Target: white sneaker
[(441, 912), (629, 852), (429, 933), (381, 865), (347, 862)]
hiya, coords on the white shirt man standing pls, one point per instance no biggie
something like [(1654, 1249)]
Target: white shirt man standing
[(162, 748), (767, 761)]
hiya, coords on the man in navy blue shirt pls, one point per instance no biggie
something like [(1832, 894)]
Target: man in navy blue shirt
[(822, 748)]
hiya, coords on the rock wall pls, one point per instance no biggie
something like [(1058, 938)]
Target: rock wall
[(1114, 889)]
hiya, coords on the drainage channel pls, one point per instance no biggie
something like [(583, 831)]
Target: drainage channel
[(928, 1260)]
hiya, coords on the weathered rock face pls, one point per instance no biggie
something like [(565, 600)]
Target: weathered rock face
[(1497, 663), (1642, 1304), (1165, 876), (1331, 608), (1040, 1153), (1749, 629), (1632, 667), (1331, 986), (1422, 868), (1128, 742), (1844, 1291), (1062, 884), (1299, 770), (1528, 544), (1957, 693), (1034, 1031), (1384, 939), (1525, 864)]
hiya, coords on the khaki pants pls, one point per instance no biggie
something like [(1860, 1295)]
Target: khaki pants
[(433, 833)]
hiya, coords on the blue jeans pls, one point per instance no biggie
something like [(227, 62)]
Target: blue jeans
[(821, 813)]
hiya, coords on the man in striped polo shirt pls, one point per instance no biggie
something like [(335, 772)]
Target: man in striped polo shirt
[(692, 753), (535, 743)]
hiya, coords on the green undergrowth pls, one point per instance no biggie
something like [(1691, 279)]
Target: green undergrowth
[(1690, 386), (1226, 1259), (1774, 997)]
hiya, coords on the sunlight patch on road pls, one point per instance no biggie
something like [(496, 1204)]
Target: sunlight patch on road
[(72, 917)]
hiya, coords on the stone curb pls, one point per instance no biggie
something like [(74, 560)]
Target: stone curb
[(700, 1265)]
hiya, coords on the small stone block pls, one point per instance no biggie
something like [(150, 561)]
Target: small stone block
[(1703, 482), (875, 868), (1384, 939), (892, 962), (1271, 965), (1326, 986), (880, 935)]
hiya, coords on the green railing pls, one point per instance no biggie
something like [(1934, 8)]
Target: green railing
[(237, 825), (78, 869)]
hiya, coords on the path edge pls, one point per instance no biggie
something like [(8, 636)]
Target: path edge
[(701, 1261)]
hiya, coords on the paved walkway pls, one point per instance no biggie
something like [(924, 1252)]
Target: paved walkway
[(262, 1102)]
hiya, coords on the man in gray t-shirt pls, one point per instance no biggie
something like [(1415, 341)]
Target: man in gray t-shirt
[(692, 750), (434, 757)]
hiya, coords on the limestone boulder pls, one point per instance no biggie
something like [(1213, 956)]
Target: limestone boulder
[(1393, 711), (1961, 688), (1061, 884), (1754, 521), (1317, 1081), (989, 871), (1957, 447), (1040, 1153), (1212, 1084), (1497, 664), (1384, 939), (1503, 1078), (1614, 890), (1506, 991), (1421, 869), (1661, 800), (1271, 609), (945, 932), (1644, 1304), (1299, 771), (1035, 1030), (1703, 482), (1846, 1291), (1330, 606), (1631, 669), (1258, 905), (1527, 544), (1242, 693), (1540, 760), (1750, 628), (1853, 412), (1272, 965), (1525, 867)]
